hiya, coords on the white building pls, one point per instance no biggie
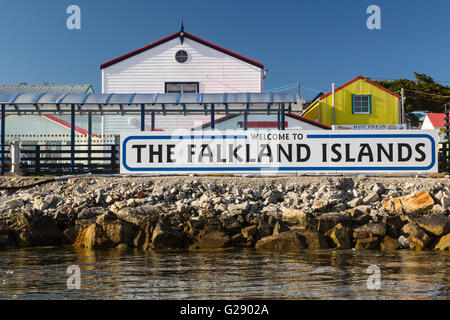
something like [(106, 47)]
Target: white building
[(182, 63), (179, 63)]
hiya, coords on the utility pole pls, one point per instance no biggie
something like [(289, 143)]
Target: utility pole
[(402, 101), (299, 97), (334, 109)]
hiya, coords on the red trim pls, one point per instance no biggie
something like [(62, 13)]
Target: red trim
[(261, 124), (312, 122), (137, 51), (218, 120), (223, 49), (173, 36), (66, 124), (6, 116), (358, 78)]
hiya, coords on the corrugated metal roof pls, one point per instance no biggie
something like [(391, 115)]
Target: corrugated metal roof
[(130, 103), (150, 98), (45, 88)]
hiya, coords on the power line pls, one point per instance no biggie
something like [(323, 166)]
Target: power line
[(291, 86), (427, 93), (446, 81), (288, 86)]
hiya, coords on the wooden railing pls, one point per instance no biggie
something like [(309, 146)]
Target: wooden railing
[(60, 159), (6, 164)]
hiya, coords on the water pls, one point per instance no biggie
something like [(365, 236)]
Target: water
[(41, 273)]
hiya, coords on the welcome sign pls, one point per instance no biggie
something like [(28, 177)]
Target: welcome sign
[(278, 152)]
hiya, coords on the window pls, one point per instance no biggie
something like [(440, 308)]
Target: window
[(361, 104), (181, 56), (181, 87)]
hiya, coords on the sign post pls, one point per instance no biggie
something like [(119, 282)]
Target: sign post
[(279, 151)]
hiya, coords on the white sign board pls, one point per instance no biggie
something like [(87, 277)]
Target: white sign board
[(278, 152), (369, 127)]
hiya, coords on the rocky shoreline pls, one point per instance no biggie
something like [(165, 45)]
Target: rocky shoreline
[(208, 213)]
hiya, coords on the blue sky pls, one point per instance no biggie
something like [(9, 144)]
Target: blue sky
[(315, 42)]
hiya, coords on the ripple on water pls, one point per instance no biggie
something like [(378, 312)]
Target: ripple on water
[(41, 273)]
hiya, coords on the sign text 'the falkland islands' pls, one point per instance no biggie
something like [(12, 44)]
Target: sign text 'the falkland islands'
[(273, 151)]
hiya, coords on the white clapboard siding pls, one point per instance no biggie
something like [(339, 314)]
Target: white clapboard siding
[(236, 123), (115, 124), (215, 71)]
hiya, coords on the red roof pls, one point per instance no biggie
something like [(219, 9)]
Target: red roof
[(437, 119), (358, 78), (66, 124), (174, 36)]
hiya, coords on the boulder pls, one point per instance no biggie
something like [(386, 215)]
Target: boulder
[(389, 244), (418, 240), (6, 237), (212, 240), (403, 241), (280, 226), (417, 203), (249, 232), (271, 197), (320, 206), (436, 224), (166, 238), (313, 239), (371, 243), (120, 232), (327, 221), (70, 234), (370, 230), (136, 214), (371, 197), (231, 225), (359, 210), (341, 237), (355, 202), (42, 231), (378, 188), (282, 242), (438, 209), (92, 237), (264, 230), (14, 203), (41, 204), (393, 206), (444, 243), (292, 216)]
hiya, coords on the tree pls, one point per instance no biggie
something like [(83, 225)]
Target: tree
[(422, 95)]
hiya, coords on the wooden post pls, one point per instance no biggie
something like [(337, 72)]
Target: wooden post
[(213, 125), (72, 138), (142, 117), (153, 120), (402, 101), (37, 160), (2, 141), (283, 117), (446, 148), (278, 119), (113, 158), (245, 119), (89, 138)]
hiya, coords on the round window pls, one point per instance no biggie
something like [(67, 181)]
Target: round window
[(181, 56)]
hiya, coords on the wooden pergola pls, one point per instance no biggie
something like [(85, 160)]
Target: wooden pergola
[(142, 104)]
